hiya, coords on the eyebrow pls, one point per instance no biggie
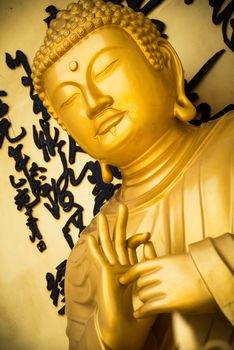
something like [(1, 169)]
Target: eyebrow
[(68, 101), (101, 52), (65, 83)]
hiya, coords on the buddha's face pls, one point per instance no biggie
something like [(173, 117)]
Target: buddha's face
[(109, 97)]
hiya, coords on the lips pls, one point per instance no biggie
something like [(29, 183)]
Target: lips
[(108, 119)]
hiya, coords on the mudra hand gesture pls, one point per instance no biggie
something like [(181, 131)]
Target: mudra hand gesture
[(118, 328), (167, 284), (164, 284)]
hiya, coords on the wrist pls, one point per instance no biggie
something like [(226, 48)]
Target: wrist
[(206, 302), (99, 333), (116, 337)]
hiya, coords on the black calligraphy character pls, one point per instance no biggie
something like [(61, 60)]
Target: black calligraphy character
[(44, 141), (4, 132), (55, 284), (3, 106), (224, 16)]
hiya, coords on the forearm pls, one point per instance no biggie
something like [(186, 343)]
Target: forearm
[(91, 339), (214, 259)]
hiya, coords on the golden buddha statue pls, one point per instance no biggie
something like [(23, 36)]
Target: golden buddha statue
[(162, 248)]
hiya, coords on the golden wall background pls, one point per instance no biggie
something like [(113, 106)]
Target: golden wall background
[(28, 318)]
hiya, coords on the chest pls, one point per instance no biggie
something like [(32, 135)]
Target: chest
[(199, 205)]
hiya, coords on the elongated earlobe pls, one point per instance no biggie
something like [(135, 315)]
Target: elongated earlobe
[(107, 175), (184, 109)]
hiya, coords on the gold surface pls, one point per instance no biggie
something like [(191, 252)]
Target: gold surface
[(127, 110), (28, 319)]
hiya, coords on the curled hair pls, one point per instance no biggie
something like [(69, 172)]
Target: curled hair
[(80, 19)]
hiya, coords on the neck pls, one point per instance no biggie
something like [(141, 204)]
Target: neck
[(157, 168)]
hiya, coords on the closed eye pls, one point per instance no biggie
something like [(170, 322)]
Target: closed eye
[(70, 100), (106, 70)]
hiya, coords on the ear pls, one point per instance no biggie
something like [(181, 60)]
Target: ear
[(107, 175), (183, 108)]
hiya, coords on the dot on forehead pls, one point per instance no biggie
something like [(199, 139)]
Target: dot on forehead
[(73, 66)]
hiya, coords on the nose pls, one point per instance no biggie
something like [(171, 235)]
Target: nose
[(97, 104)]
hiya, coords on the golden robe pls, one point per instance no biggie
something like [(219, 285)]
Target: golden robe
[(191, 210)]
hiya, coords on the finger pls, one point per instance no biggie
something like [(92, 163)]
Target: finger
[(151, 308), (148, 279), (150, 292), (95, 250), (133, 243), (120, 234), (132, 255), (105, 240), (149, 251), (137, 270), (138, 239)]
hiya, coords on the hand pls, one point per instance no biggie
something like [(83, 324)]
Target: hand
[(167, 284), (118, 328)]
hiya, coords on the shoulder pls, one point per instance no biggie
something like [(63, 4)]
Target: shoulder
[(215, 161), (218, 145), (214, 177), (224, 127)]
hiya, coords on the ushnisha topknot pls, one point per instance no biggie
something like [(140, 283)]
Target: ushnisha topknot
[(80, 19)]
